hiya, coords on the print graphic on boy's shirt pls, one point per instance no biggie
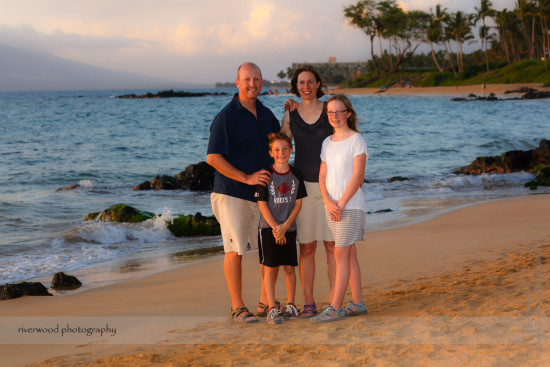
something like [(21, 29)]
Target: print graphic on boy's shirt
[(282, 189)]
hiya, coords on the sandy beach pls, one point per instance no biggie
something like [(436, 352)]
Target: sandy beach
[(469, 287), (461, 90)]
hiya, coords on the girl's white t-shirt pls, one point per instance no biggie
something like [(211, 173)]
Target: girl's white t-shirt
[(338, 157)]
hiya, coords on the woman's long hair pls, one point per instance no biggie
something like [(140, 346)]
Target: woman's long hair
[(294, 81)]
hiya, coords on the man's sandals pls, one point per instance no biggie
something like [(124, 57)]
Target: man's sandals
[(242, 315)]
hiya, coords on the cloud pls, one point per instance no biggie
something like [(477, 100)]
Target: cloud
[(260, 23)]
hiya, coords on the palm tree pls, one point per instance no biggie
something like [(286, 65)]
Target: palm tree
[(433, 35), (440, 18), (523, 8), (460, 27), (362, 15), (543, 11), (485, 10), (501, 20)]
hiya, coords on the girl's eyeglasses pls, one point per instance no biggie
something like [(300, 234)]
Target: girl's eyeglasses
[(336, 113)]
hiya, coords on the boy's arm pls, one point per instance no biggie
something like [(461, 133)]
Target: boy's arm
[(264, 209), (293, 214)]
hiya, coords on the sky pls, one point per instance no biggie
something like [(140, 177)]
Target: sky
[(195, 41)]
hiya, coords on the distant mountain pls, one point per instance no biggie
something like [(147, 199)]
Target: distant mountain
[(31, 70)]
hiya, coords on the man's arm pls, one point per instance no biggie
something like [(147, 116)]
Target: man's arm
[(261, 177)]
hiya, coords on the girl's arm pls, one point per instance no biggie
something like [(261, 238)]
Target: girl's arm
[(332, 205), (264, 209), (356, 180), (281, 229)]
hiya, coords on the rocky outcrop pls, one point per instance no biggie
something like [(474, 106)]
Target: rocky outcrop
[(194, 225), (62, 281), (529, 93), (521, 90), (542, 177), (183, 225), (397, 178), (197, 177), (473, 97), (536, 95), (70, 187), (170, 94), (512, 161), (16, 290), (120, 213)]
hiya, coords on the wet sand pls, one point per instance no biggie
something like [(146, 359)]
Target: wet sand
[(469, 288)]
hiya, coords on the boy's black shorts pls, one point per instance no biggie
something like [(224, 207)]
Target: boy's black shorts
[(273, 255)]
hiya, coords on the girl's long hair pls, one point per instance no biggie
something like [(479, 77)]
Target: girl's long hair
[(352, 120)]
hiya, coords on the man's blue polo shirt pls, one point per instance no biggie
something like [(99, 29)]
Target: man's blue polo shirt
[(242, 140)]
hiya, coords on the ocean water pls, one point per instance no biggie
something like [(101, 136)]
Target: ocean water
[(50, 140)]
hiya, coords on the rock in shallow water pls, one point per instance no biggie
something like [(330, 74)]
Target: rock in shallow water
[(197, 177), (10, 291), (183, 225), (120, 213), (62, 281), (542, 178), (512, 161)]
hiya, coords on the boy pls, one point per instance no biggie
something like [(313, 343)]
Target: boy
[(279, 204)]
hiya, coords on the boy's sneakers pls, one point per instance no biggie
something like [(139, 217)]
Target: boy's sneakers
[(264, 308), (329, 314), (353, 309), (274, 316), (290, 312)]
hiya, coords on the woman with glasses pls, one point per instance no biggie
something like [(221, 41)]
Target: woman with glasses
[(309, 126)]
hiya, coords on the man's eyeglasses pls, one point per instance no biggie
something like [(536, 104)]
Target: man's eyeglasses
[(336, 113)]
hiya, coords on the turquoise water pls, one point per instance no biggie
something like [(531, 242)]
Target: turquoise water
[(50, 140)]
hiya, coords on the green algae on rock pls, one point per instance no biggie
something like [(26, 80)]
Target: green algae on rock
[(121, 213), (194, 225), (542, 177)]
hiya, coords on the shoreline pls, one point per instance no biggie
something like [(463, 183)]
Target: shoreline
[(133, 267), (397, 264), (461, 90)]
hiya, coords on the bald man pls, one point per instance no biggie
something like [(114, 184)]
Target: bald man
[(237, 149)]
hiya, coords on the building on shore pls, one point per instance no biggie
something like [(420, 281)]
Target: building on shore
[(334, 72)]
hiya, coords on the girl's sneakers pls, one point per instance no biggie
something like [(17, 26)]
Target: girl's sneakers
[(328, 315), (274, 316), (353, 309)]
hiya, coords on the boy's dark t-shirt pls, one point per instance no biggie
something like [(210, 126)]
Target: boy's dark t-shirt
[(281, 195)]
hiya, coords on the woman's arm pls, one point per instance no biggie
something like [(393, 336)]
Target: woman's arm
[(356, 180), (285, 127)]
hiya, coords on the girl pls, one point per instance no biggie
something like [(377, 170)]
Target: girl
[(341, 175)]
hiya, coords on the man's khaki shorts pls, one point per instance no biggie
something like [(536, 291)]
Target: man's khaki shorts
[(238, 221)]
